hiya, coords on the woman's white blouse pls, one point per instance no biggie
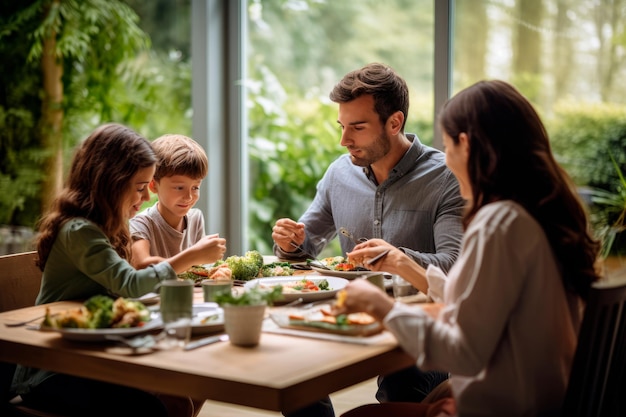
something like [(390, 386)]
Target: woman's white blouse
[(508, 332)]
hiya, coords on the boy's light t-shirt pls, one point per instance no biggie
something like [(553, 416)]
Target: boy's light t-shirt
[(165, 241)]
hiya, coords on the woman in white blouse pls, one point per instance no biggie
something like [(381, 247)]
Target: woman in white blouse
[(511, 304)]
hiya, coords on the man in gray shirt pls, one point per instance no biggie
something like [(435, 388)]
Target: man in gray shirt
[(390, 186)]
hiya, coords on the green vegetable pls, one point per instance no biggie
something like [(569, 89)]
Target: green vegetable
[(256, 257), (251, 296), (245, 267), (101, 309), (323, 285), (342, 320), (276, 269)]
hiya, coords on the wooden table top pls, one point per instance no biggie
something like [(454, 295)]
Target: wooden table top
[(283, 373)]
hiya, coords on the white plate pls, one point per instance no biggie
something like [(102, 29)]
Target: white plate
[(335, 283), (207, 318), (98, 335), (312, 323), (148, 299), (343, 274)]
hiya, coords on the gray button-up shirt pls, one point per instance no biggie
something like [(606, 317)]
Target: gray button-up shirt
[(418, 208)]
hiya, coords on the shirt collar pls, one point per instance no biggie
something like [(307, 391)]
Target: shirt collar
[(406, 163)]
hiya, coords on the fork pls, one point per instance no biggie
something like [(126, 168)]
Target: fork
[(317, 262), (350, 236), (24, 322), (137, 342)]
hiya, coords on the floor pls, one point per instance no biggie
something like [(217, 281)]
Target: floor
[(342, 401)]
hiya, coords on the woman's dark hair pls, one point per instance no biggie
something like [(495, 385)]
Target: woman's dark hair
[(510, 159), (389, 90), (99, 180)]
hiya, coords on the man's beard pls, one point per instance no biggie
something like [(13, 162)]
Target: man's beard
[(374, 152)]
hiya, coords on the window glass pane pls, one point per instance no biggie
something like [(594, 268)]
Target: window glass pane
[(568, 58), (551, 49), (297, 51)]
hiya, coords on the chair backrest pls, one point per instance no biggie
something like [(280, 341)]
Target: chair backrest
[(20, 280), (597, 384)]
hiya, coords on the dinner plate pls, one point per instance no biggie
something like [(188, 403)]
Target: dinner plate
[(99, 335), (207, 318), (355, 274), (335, 284), (342, 274)]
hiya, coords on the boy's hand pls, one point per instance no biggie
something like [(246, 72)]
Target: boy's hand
[(213, 247)]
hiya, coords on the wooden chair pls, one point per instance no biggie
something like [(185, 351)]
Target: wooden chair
[(597, 384), (20, 280)]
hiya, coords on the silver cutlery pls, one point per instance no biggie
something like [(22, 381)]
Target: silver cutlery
[(24, 322), (350, 236), (138, 342), (377, 257), (314, 261), (206, 341), (294, 302)]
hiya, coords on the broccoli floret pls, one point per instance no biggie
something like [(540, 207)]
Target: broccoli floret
[(101, 309), (256, 257), (243, 267), (276, 269)]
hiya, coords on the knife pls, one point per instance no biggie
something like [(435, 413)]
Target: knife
[(206, 341)]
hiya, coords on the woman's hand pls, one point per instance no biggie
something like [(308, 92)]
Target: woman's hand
[(360, 295), (369, 249)]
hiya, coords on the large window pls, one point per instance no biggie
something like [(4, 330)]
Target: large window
[(265, 68)]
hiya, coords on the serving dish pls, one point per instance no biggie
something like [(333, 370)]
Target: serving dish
[(313, 321), (335, 284)]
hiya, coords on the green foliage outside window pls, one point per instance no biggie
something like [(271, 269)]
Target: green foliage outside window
[(590, 143)]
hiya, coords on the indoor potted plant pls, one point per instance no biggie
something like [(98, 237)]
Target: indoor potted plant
[(244, 313)]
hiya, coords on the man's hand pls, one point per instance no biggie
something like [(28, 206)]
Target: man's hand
[(287, 233)]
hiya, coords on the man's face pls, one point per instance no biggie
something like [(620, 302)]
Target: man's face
[(362, 133)]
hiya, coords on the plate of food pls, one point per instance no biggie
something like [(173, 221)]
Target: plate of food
[(101, 316), (198, 273), (98, 335), (339, 266), (308, 288), (207, 318), (321, 320)]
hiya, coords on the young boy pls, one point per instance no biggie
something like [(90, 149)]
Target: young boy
[(171, 225)]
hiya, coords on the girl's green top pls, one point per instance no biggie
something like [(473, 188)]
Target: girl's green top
[(82, 263)]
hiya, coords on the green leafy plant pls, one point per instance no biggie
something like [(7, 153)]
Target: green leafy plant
[(611, 221), (250, 297), (589, 141)]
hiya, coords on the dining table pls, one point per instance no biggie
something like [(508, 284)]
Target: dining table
[(284, 372)]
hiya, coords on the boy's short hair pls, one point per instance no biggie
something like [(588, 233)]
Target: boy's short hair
[(179, 155)]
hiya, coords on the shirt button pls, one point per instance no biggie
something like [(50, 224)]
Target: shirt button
[(376, 222)]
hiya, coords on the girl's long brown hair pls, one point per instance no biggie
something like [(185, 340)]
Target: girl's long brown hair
[(510, 159), (99, 180)]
